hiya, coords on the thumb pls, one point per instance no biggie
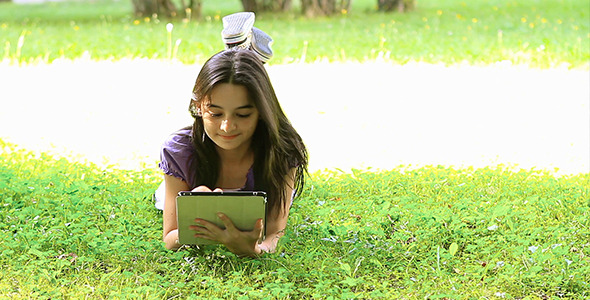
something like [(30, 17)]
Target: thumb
[(258, 227), (201, 188)]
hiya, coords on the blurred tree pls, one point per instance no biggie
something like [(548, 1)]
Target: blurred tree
[(266, 5), (399, 5), (313, 8), (167, 8)]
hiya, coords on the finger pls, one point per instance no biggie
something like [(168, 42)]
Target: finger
[(256, 233), (259, 224), (204, 226), (198, 228), (200, 231), (206, 230), (201, 188), (229, 225), (218, 190), (258, 227), (206, 237)]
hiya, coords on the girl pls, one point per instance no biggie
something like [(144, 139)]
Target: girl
[(240, 140)]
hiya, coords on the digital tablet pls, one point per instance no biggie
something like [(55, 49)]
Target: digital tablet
[(243, 208)]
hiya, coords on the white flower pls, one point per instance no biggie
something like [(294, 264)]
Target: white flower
[(169, 27), (533, 249)]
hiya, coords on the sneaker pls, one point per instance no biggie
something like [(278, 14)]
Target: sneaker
[(261, 44), (237, 29)]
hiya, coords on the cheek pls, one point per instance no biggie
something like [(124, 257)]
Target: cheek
[(252, 124), (208, 122), (209, 125), (255, 120)]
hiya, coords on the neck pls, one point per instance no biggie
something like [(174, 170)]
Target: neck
[(235, 156)]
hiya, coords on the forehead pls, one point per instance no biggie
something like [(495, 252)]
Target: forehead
[(229, 96)]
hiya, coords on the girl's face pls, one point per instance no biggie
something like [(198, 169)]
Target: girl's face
[(229, 117)]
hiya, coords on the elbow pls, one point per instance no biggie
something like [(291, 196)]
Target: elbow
[(170, 240), (169, 246)]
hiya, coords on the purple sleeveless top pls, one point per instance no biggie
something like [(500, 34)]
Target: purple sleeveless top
[(176, 158)]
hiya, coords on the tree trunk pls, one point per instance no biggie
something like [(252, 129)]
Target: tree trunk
[(398, 5), (315, 8), (196, 9), (166, 8), (276, 5), (266, 5), (148, 8), (250, 5)]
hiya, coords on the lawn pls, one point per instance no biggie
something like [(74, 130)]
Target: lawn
[(540, 34), (74, 230)]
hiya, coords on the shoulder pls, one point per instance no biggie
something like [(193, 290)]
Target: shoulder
[(179, 140), (176, 154), (178, 145)]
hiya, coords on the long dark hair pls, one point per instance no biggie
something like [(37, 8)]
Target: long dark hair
[(277, 146)]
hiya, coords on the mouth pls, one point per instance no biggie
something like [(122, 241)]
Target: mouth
[(228, 137)]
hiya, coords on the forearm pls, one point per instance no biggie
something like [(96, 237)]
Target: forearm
[(171, 240)]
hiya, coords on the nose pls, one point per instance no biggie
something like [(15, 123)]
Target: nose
[(227, 125)]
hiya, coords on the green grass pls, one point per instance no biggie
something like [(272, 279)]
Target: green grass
[(535, 33), (73, 230)]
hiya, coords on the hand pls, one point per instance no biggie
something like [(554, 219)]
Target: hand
[(241, 243), (203, 188)]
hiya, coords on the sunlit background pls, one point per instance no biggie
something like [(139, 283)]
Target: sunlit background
[(506, 90), (350, 115)]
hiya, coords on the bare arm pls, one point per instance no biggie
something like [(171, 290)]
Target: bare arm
[(170, 226), (277, 220)]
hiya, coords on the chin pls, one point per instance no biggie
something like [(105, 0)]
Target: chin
[(225, 146)]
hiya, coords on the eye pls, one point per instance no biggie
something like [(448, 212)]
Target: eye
[(214, 115), (243, 115)]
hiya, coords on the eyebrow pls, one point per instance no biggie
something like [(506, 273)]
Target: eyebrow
[(241, 107)]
